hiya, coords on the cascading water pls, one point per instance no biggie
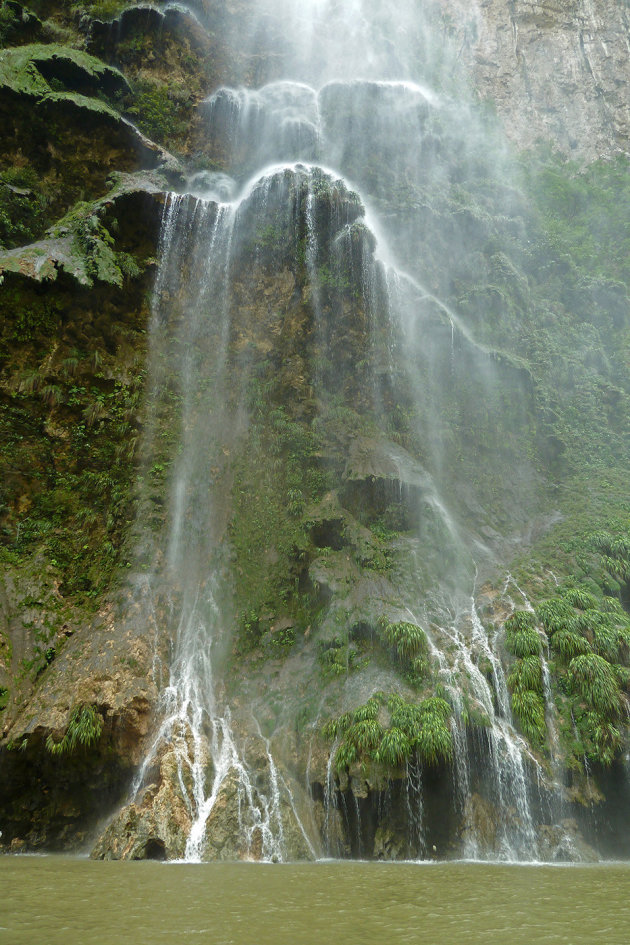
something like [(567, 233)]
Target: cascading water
[(321, 172)]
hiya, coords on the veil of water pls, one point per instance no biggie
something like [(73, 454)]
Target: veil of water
[(369, 109)]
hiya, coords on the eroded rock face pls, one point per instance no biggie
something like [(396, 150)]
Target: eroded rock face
[(245, 821), (554, 69)]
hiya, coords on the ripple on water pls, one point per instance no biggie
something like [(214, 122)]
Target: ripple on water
[(64, 901)]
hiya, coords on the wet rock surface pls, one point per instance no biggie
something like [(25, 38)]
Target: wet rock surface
[(555, 70)]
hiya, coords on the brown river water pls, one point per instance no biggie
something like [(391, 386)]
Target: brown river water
[(53, 900)]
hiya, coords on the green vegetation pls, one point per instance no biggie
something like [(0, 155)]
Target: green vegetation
[(529, 707), (589, 637), (521, 637), (389, 731), (408, 641), (100, 9), (23, 204), (70, 386), (161, 111), (57, 72), (273, 548), (586, 627), (94, 245), (84, 730)]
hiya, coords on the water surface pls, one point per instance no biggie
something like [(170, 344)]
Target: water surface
[(55, 900)]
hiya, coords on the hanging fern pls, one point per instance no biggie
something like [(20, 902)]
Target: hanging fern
[(556, 614), (529, 708), (594, 679), (84, 730), (526, 674), (521, 635), (568, 644), (394, 748), (408, 640)]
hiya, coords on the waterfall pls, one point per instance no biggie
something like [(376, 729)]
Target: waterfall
[(323, 171)]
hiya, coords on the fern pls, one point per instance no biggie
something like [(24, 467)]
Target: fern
[(84, 730)]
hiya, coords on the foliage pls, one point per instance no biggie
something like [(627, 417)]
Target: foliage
[(23, 204), (337, 658), (589, 634), (415, 730), (408, 640), (159, 110), (593, 679), (521, 636), (95, 245), (530, 709), (526, 673), (84, 730), (568, 644), (67, 498)]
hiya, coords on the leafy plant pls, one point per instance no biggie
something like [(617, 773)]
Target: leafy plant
[(594, 679), (419, 730), (521, 636), (526, 674), (84, 730), (529, 707), (408, 640)]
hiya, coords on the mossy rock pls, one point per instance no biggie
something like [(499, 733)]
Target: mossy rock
[(73, 141), (18, 25), (80, 243), (42, 70)]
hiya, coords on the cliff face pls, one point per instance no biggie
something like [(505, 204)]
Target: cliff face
[(553, 69), (327, 529)]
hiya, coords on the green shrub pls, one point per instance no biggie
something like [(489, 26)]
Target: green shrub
[(393, 749), (526, 674), (407, 639), (555, 614), (416, 729), (84, 729), (434, 739), (593, 678), (568, 644), (529, 708), (606, 739), (521, 635), (580, 598)]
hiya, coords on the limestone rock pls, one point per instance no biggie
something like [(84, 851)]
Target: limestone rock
[(555, 70)]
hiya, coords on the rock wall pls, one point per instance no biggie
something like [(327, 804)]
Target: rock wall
[(554, 69)]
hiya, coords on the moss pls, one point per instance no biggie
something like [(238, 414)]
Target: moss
[(29, 70), (68, 401)]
